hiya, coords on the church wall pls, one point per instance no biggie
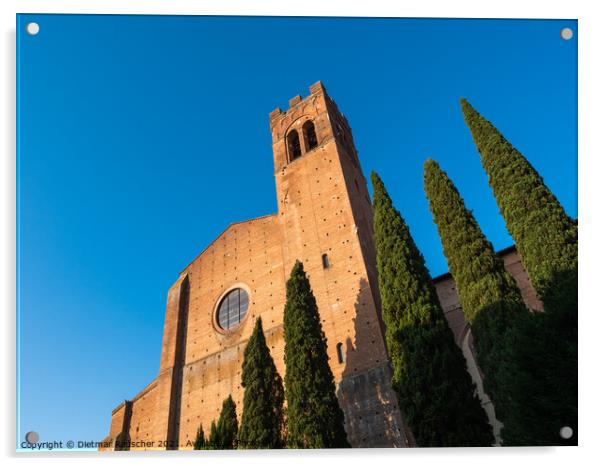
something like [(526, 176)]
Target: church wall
[(144, 419), (248, 255), (138, 419), (117, 421)]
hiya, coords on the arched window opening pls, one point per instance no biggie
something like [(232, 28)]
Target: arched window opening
[(309, 135), (294, 145), (325, 261), (340, 353)]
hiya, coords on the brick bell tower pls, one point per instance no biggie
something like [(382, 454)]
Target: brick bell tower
[(325, 215)]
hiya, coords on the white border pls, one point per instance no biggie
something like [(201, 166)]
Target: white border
[(590, 168), (425, 8)]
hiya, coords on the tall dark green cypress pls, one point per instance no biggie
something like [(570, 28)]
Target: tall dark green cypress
[(227, 426), (542, 371), (489, 296), (543, 362), (435, 392), (213, 440), (545, 236), (314, 418), (262, 422), (199, 441)]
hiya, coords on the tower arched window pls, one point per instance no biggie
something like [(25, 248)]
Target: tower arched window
[(294, 145), (309, 135)]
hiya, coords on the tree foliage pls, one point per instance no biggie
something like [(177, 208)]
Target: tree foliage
[(262, 422), (545, 236), (222, 435), (314, 418), (200, 440), (542, 374), (213, 440), (489, 296), (435, 392), (543, 361)]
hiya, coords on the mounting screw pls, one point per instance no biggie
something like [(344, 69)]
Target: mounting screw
[(566, 33), (566, 432), (32, 437), (32, 28)]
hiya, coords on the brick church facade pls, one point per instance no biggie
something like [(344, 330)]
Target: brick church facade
[(324, 219)]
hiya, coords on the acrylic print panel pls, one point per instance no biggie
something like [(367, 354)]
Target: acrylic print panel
[(204, 241)]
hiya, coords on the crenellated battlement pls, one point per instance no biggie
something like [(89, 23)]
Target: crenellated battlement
[(314, 89)]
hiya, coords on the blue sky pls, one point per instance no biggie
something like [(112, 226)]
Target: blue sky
[(142, 137)]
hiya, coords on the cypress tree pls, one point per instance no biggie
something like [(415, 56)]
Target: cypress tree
[(199, 441), (213, 441), (227, 426), (434, 389), (545, 236), (489, 296), (314, 418), (542, 375), (543, 360), (262, 416)]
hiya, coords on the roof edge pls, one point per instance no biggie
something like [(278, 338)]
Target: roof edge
[(221, 234), (501, 252)]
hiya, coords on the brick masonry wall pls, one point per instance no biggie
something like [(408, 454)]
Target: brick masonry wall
[(117, 418), (247, 255)]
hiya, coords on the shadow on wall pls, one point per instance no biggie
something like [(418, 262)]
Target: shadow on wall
[(372, 415)]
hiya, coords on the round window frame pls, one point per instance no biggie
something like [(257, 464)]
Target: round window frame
[(215, 319)]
